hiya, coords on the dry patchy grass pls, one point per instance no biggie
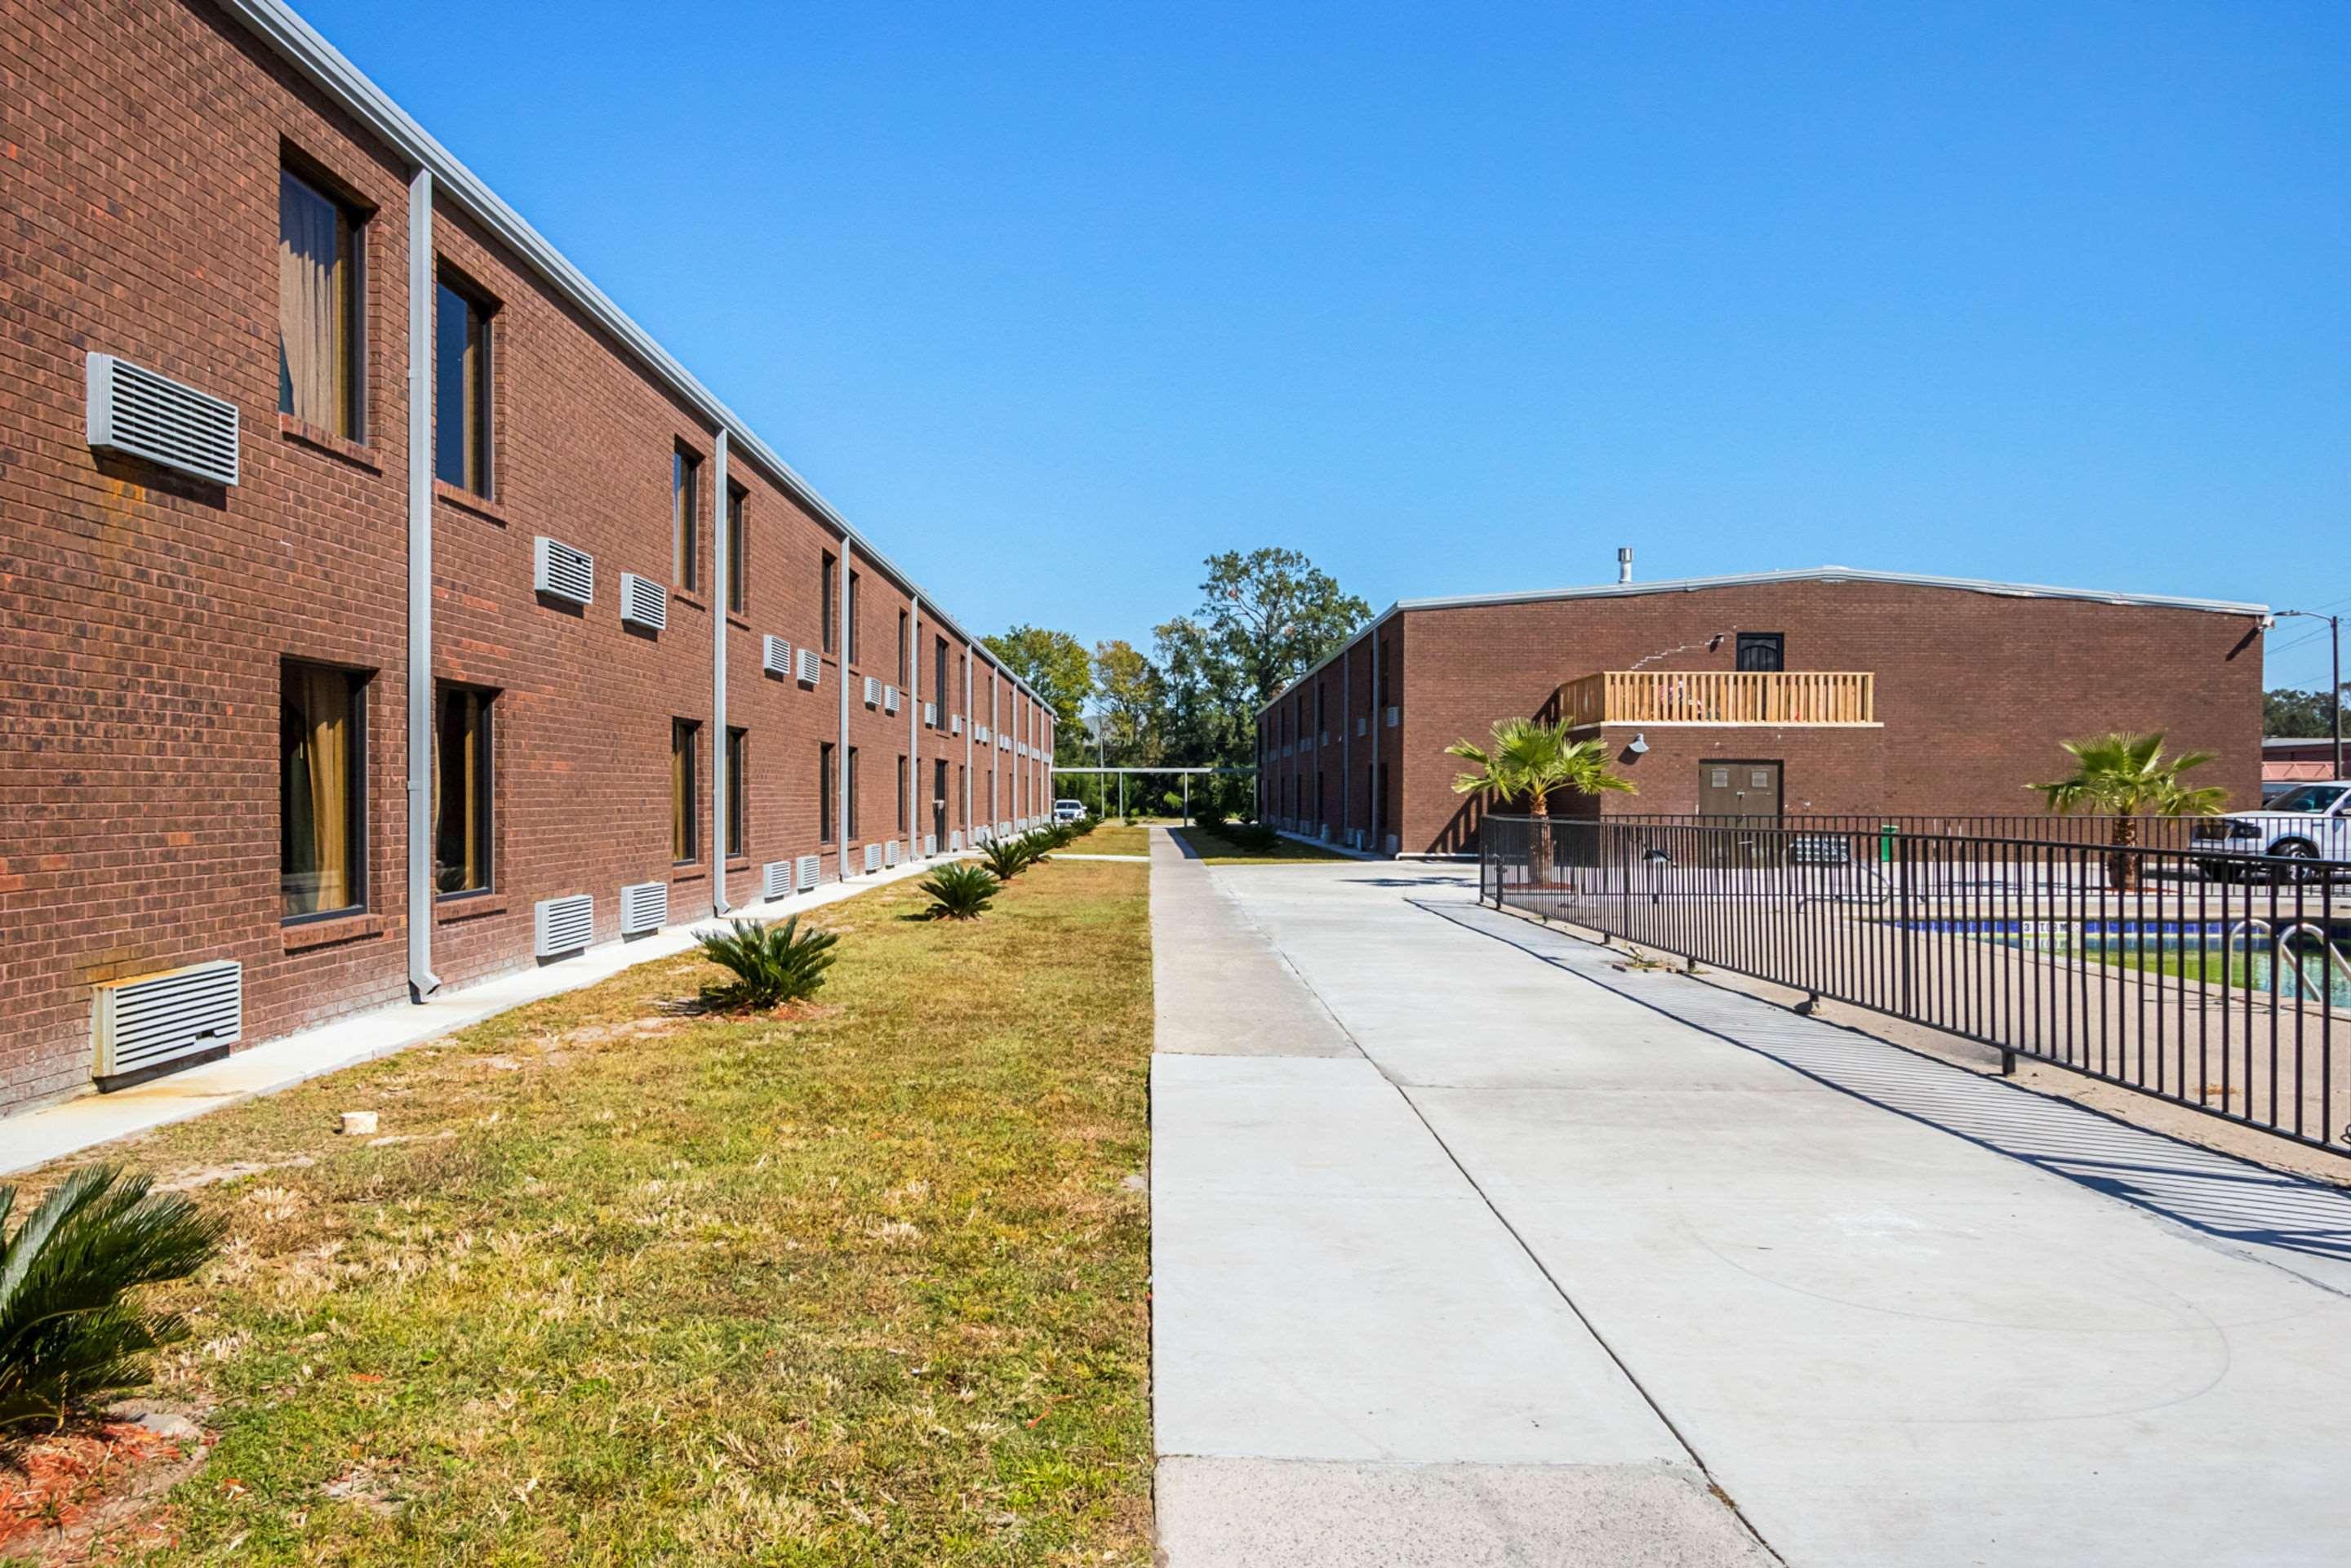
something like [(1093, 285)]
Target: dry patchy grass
[(865, 1285)]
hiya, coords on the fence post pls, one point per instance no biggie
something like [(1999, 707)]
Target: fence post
[(1910, 920)]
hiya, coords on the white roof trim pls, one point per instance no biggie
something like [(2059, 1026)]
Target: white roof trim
[(1753, 579), (302, 47)]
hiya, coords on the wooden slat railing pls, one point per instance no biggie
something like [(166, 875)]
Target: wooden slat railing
[(1720, 697)]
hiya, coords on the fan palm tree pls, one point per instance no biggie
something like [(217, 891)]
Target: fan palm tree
[(2128, 777), (1531, 759)]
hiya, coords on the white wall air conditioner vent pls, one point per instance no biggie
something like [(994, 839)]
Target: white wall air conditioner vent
[(954, 842), (1362, 725), (890, 853), (563, 924), (1394, 845), (811, 671), (929, 845), (889, 699), (872, 692), (561, 572), (1396, 715), (931, 715), (872, 857), (776, 656), (644, 601), (172, 425), (776, 878), (176, 1015), (810, 867), (644, 906), (954, 723)]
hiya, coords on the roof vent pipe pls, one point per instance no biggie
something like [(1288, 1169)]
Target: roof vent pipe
[(1624, 563)]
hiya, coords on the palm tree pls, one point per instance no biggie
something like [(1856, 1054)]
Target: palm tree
[(2128, 777), (1532, 760)]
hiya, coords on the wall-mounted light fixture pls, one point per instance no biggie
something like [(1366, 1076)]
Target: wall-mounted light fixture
[(1640, 747)]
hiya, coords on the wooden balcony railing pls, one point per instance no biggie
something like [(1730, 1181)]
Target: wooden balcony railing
[(1720, 697)]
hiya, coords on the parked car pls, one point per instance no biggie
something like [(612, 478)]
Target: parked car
[(1069, 810), (2308, 822)]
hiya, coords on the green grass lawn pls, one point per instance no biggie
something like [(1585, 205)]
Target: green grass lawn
[(1113, 839), (1217, 850), (867, 1285)]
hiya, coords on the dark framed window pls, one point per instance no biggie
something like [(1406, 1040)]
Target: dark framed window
[(853, 794), (320, 291), (902, 791), (738, 549), (321, 791), (905, 640), (827, 576), (738, 791), (461, 388), (463, 847), (1763, 651), (828, 791), (855, 639), (939, 680), (685, 517), (685, 837), (963, 796)]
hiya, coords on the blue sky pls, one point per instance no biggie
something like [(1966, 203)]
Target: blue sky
[(1054, 301)]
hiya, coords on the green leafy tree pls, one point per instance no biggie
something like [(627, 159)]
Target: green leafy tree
[(1132, 698), (2128, 777), (1056, 668), (1532, 761), (2296, 715)]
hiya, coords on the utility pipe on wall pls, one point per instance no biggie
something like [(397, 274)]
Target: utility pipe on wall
[(421, 981), (721, 539), (840, 761)]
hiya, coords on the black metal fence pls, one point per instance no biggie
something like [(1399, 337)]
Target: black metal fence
[(2213, 979)]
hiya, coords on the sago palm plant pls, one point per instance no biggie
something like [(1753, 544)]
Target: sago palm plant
[(70, 1334), (1008, 858), (960, 891), (772, 965), (1532, 760), (2128, 777)]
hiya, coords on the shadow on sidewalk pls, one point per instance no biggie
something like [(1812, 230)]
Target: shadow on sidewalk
[(2214, 1193)]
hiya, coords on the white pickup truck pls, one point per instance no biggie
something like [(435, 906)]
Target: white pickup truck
[(2309, 823)]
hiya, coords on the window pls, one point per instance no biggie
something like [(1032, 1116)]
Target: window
[(685, 841), (963, 796), (905, 644), (854, 658), (852, 793), (902, 793), (461, 389), (685, 516), (318, 290), (939, 680), (828, 792), (321, 791), (738, 550), (1766, 651), (827, 576), (461, 791), (739, 793)]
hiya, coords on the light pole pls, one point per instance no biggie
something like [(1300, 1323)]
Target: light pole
[(2334, 684)]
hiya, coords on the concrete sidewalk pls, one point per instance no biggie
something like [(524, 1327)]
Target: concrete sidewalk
[(1898, 1313)]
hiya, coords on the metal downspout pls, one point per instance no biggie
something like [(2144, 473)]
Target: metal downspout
[(915, 724), (421, 981), (719, 590), (840, 761)]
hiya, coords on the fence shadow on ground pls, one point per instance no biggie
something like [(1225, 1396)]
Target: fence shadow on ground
[(2215, 1193)]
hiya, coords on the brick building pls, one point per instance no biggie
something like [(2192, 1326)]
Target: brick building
[(275, 361), (1773, 693)]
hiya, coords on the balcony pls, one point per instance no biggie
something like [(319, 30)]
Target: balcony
[(1811, 697)]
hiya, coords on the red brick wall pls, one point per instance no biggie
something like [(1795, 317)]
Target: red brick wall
[(1974, 691), (149, 617)]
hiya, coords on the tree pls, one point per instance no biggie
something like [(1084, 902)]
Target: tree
[(1269, 616), (1534, 759), (2297, 715), (1055, 665), (1133, 696), (2128, 777)]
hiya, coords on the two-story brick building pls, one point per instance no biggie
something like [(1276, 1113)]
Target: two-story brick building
[(383, 608), (1768, 695)]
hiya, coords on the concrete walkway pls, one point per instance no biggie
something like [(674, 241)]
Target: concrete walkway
[(1470, 1247)]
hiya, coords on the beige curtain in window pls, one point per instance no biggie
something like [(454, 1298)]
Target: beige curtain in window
[(311, 277), (324, 699)]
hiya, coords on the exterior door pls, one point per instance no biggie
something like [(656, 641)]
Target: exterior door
[(1736, 795), (939, 804)]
